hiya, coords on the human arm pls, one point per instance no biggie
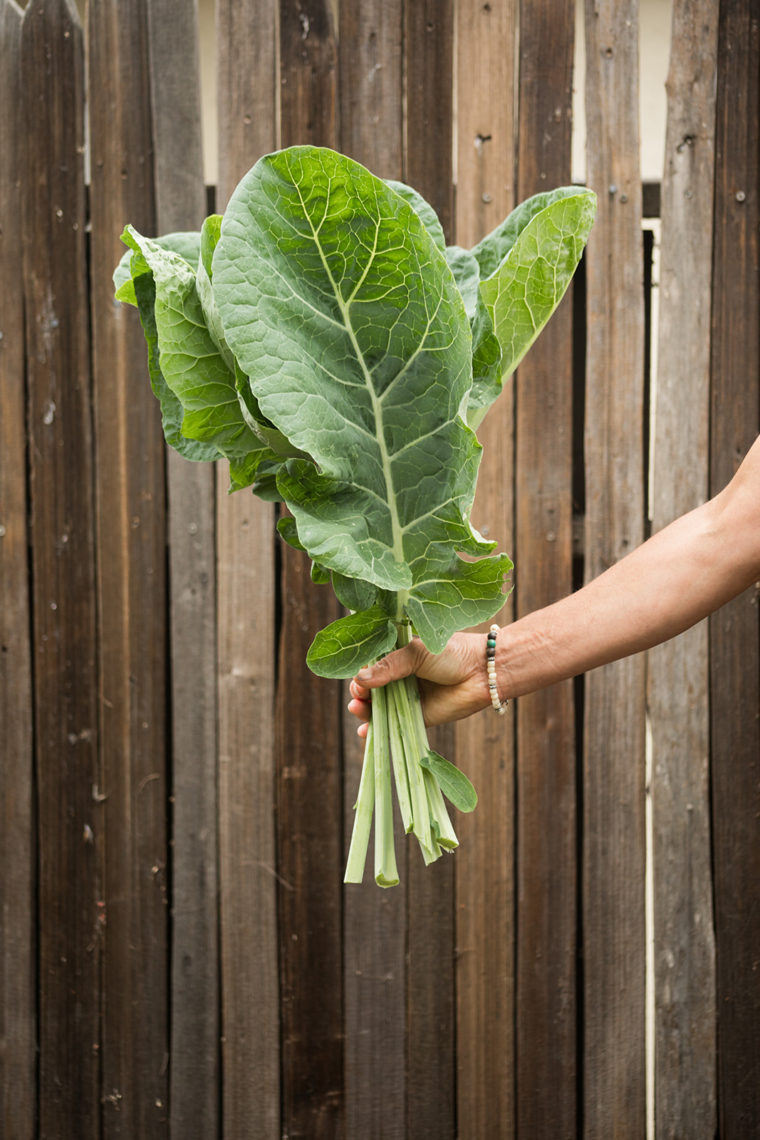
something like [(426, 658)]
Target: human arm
[(676, 578)]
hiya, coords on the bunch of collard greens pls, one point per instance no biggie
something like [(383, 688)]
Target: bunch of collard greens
[(323, 338)]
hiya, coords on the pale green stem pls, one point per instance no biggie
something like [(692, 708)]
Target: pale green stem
[(446, 834), (386, 872), (398, 755), (365, 801), (414, 753)]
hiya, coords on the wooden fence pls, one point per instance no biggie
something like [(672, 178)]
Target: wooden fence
[(179, 955)]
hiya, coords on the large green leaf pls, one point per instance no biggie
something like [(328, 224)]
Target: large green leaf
[(142, 288), (494, 247), (540, 246), (186, 244), (342, 311), (192, 365), (422, 209), (345, 645), (486, 351)]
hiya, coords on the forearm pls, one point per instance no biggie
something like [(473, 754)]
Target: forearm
[(663, 587)]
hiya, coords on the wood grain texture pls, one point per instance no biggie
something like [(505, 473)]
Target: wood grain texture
[(431, 985), (194, 1081), (734, 643), (546, 774), (246, 584), (308, 747), (18, 1012), (375, 920), (308, 72), (678, 671), (485, 867), (429, 60), (68, 822), (310, 863), (613, 792), (428, 152), (131, 506)]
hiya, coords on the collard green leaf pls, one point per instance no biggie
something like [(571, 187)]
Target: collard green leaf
[(467, 589), (528, 284), (494, 247), (286, 528), (466, 270), (422, 209), (186, 244), (353, 593), (342, 311), (172, 413), (319, 576), (193, 366), (347, 644), (486, 351), (455, 786), (209, 238)]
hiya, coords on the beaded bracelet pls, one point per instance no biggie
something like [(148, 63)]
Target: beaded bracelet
[(500, 706)]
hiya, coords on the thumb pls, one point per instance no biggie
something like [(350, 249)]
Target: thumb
[(400, 663)]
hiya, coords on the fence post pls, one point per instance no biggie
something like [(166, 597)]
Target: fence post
[(131, 520), (734, 643), (546, 780), (247, 48), (613, 791), (181, 205), (68, 822), (485, 863), (684, 1084), (18, 1011)]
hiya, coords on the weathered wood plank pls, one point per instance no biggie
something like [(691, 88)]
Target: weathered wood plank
[(181, 205), (429, 60), (431, 1066), (613, 794), (308, 748), (246, 70), (546, 774), (431, 992), (310, 864), (18, 1093), (484, 867), (734, 644), (63, 569), (374, 924), (678, 671), (130, 497), (309, 72)]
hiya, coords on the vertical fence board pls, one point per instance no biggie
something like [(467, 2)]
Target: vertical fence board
[(546, 780), (308, 748), (431, 1022), (614, 843), (131, 593), (484, 866), (246, 69), (374, 925), (678, 671), (429, 64), (734, 664), (63, 588), (17, 851), (181, 205)]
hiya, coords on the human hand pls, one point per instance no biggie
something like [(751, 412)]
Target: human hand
[(453, 683)]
